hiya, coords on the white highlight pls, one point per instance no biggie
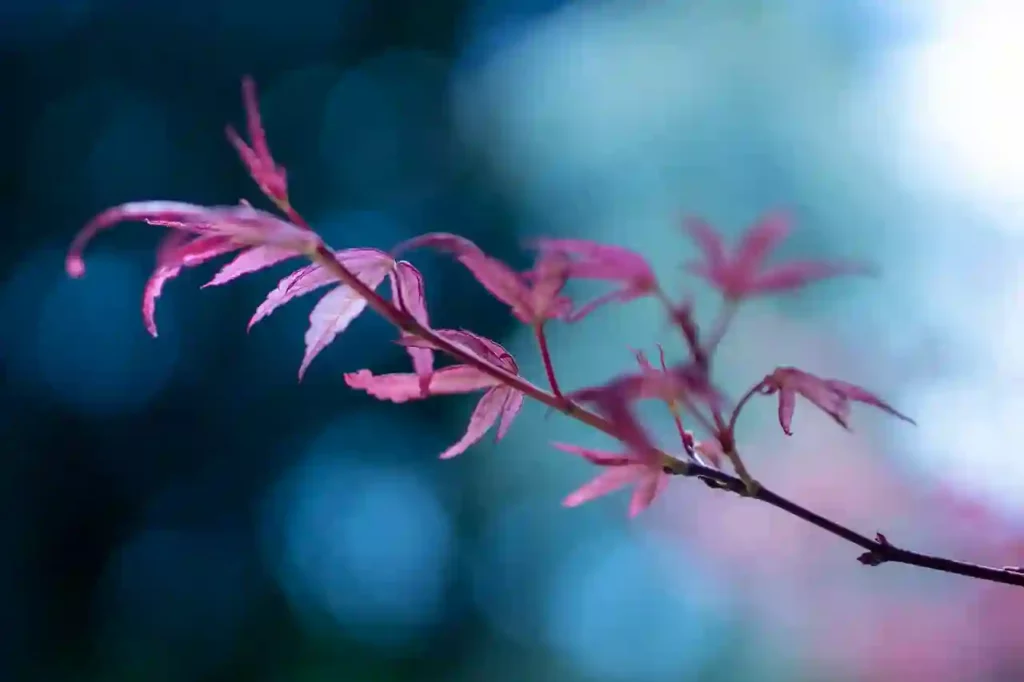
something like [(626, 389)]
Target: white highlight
[(964, 91)]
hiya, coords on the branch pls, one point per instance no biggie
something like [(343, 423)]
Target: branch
[(877, 551)]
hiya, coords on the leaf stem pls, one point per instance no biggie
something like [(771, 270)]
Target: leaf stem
[(751, 392)]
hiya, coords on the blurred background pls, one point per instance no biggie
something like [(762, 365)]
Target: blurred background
[(182, 508)]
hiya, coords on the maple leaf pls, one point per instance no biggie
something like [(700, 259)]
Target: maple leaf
[(203, 233), (742, 273), (336, 310), (642, 465), (499, 403), (591, 260), (613, 401), (534, 296), (679, 383), (647, 476), (270, 177), (831, 396), (668, 384)]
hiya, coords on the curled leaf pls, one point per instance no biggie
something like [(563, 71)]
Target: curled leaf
[(201, 233)]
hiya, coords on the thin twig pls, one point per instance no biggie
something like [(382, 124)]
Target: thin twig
[(877, 551), (545, 356)]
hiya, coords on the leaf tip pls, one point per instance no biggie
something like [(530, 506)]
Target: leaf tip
[(74, 266)]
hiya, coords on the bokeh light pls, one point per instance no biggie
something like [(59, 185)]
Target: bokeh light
[(619, 619), (133, 124), (964, 94), (512, 565), (383, 136), (82, 341), (362, 541)]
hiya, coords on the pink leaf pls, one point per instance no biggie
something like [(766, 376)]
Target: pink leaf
[(787, 404), (533, 296), (173, 255), (591, 260), (409, 295), (546, 280), (509, 409), (407, 291), (191, 251), (831, 396), (178, 250), (399, 388), (760, 240), (151, 292), (590, 306), (484, 415), (442, 241), (599, 457), (270, 177), (299, 283), (647, 488), (498, 402), (139, 211), (860, 395), (606, 482), (479, 346), (250, 260), (613, 402), (312, 277), (171, 244), (622, 470), (335, 311), (670, 385), (499, 279), (795, 275), (244, 225), (708, 241)]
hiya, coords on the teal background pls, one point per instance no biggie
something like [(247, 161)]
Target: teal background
[(183, 509)]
